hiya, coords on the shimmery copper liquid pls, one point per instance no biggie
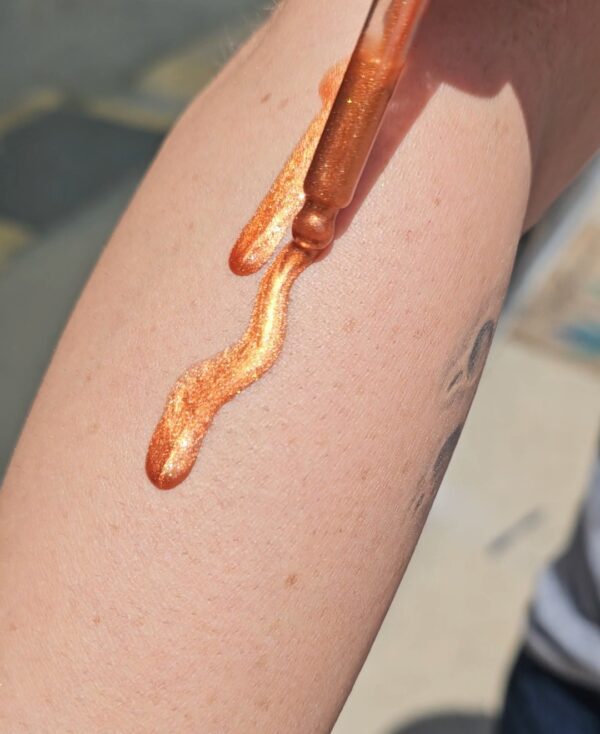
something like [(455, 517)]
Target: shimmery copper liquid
[(204, 389), (320, 175), (263, 233)]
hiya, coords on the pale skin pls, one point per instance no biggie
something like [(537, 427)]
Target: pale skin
[(248, 598)]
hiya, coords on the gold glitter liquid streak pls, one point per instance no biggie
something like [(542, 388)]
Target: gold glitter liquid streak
[(204, 389), (318, 180)]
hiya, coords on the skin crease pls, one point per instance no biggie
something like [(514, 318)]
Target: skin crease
[(248, 599)]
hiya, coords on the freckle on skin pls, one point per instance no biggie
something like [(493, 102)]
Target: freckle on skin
[(291, 580), (266, 98), (96, 619), (349, 326), (155, 699), (261, 662)]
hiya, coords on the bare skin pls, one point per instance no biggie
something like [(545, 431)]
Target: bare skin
[(247, 599)]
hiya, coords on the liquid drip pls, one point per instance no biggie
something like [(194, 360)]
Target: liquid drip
[(263, 233), (205, 388)]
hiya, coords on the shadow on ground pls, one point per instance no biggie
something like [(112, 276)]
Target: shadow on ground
[(448, 723)]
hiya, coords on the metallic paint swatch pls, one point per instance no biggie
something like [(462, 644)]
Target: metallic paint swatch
[(203, 390), (260, 237), (334, 148)]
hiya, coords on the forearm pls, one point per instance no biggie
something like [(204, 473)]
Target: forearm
[(247, 599)]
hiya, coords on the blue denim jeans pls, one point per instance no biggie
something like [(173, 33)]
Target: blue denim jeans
[(538, 702)]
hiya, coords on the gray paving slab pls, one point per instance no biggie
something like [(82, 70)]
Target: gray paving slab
[(82, 45), (56, 163)]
